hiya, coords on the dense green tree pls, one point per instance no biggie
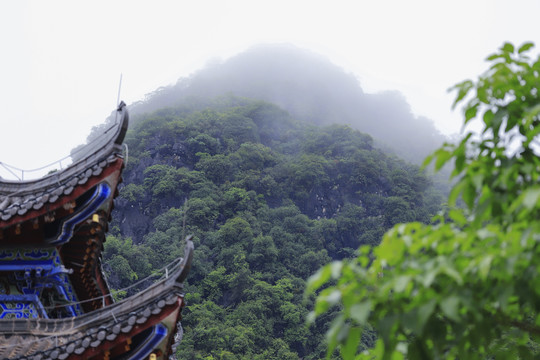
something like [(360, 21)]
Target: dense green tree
[(216, 168), (253, 156), (125, 262), (202, 212)]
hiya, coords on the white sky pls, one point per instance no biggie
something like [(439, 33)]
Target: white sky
[(61, 61)]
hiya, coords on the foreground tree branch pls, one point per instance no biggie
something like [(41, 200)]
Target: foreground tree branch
[(442, 281)]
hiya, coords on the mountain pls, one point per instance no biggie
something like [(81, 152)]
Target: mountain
[(310, 88), (269, 200)]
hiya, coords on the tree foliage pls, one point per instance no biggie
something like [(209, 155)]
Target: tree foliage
[(465, 287), (269, 201)]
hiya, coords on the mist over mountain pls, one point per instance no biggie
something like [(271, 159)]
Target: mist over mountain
[(310, 88)]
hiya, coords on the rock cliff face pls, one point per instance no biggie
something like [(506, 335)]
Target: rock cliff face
[(131, 219), (323, 203)]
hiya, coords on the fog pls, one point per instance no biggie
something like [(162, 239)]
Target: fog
[(61, 60), (312, 89)]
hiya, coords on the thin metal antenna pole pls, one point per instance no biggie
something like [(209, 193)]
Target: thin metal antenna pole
[(119, 89)]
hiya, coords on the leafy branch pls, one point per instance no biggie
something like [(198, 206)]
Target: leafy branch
[(467, 285)]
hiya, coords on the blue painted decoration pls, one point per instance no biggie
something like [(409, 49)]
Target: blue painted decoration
[(101, 194), (158, 334), (31, 277)]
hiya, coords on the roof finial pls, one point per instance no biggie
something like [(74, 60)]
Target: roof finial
[(119, 89)]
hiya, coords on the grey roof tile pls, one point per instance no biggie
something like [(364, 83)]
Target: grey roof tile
[(127, 328), (73, 181), (5, 203), (58, 191), (97, 171), (29, 204)]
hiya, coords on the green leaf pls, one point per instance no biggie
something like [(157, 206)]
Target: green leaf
[(311, 317), (360, 312), (325, 301), (463, 89), (442, 157), (332, 334), (454, 193), (418, 317), (452, 273), (336, 267), (497, 120), (396, 355), (470, 112), (348, 351), (401, 282), (424, 313), (508, 47), (493, 57), (391, 250), (427, 161), (484, 266), (511, 122), (525, 47), (477, 180), (450, 307), (385, 326), (457, 216), (323, 275), (469, 194), (530, 198), (537, 321), (429, 276), (488, 118)]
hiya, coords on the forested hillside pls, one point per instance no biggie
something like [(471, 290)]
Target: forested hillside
[(310, 88), (269, 200)]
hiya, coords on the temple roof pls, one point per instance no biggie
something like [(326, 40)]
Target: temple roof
[(52, 232), (20, 196), (92, 333)]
